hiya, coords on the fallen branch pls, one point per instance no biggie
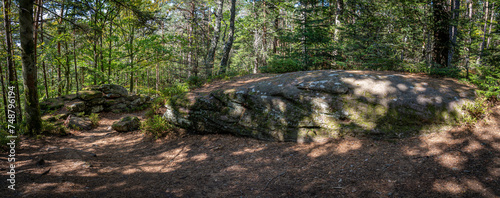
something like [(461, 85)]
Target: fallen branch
[(268, 182)]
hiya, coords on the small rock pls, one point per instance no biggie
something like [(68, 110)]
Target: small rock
[(127, 123), (79, 123), (76, 107)]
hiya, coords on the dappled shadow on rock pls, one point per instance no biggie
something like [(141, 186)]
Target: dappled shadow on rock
[(457, 163), (317, 105)]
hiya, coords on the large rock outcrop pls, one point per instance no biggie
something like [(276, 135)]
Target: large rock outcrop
[(95, 99), (314, 105)]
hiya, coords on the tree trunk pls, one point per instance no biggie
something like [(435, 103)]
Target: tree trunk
[(469, 40), (455, 9), (491, 24), (131, 51), (229, 43), (441, 33), (110, 50), (34, 123), (11, 69), (209, 62), (484, 33), (4, 93), (74, 61), (43, 61)]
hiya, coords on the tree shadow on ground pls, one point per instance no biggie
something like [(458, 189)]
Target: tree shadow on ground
[(460, 162)]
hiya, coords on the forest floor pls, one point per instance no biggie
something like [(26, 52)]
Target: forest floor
[(461, 162)]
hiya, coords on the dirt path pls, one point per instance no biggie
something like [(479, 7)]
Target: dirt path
[(102, 163)]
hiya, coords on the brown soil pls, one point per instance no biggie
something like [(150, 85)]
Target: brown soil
[(462, 162)]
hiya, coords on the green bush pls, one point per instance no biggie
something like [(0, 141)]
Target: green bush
[(94, 118), (474, 111), (175, 89), (156, 127), (488, 81), (282, 65)]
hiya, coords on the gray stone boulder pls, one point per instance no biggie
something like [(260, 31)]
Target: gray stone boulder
[(78, 123), (52, 103), (89, 95), (96, 109), (113, 91), (76, 107), (127, 123), (317, 105)]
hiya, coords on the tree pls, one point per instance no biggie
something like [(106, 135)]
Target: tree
[(11, 69), (229, 42), (441, 33), (209, 61), (34, 123)]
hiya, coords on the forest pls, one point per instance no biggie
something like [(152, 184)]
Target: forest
[(148, 46), (250, 98)]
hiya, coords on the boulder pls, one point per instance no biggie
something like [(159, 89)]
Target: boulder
[(89, 95), (76, 107), (127, 123), (96, 109), (113, 91), (96, 101), (52, 104), (112, 96), (317, 105), (78, 123)]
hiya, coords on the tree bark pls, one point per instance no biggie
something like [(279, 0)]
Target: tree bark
[(11, 69), (441, 33), (469, 40), (74, 61), (209, 62), (229, 43), (34, 123), (455, 9), (131, 51), (44, 70), (484, 33), (491, 24)]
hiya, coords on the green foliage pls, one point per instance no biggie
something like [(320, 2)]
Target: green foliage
[(194, 81), (474, 111), (488, 81), (175, 89), (282, 65), (94, 119), (3, 137), (156, 127), (51, 128)]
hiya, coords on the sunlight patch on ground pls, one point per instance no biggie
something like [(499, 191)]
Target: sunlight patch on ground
[(453, 160), (448, 187), (473, 146), (346, 146), (247, 150), (200, 157)]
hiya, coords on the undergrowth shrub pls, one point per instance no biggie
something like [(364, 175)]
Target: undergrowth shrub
[(474, 111), (94, 119), (51, 128), (156, 127), (282, 65), (175, 89)]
